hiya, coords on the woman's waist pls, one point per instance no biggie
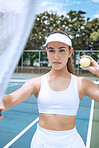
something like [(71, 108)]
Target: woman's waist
[(56, 122), (59, 138)]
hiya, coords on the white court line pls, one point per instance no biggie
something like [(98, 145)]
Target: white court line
[(90, 126), (21, 133), (88, 141), (23, 80), (9, 85), (96, 82), (17, 80)]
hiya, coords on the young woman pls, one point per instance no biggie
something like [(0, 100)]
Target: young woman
[(58, 94)]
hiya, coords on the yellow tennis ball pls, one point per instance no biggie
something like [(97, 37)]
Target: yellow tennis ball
[(85, 62)]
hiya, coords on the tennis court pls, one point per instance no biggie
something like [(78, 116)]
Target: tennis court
[(12, 127)]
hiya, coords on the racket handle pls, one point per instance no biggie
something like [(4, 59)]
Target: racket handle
[(0, 113)]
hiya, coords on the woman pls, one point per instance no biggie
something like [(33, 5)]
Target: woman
[(58, 95)]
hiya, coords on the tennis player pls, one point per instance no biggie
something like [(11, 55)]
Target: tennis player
[(58, 94)]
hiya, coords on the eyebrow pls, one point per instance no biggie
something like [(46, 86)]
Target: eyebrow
[(50, 48), (61, 47), (58, 48)]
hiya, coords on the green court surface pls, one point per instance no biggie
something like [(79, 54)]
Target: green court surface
[(95, 127)]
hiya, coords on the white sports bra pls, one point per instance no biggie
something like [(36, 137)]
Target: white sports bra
[(58, 102)]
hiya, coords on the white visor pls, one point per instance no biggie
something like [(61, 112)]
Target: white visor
[(59, 38)]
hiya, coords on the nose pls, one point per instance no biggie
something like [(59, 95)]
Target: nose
[(56, 55)]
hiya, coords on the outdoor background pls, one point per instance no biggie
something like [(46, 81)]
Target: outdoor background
[(80, 19)]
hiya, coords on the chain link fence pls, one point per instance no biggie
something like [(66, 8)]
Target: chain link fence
[(36, 61)]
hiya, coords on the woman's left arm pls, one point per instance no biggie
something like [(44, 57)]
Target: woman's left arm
[(90, 89)]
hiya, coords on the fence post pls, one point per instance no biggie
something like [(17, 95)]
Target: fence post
[(39, 60), (22, 63), (78, 56)]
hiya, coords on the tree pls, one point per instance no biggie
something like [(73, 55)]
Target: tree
[(83, 32), (47, 22), (44, 24), (95, 35), (91, 28), (77, 22)]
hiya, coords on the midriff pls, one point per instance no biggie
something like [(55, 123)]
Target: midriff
[(56, 122)]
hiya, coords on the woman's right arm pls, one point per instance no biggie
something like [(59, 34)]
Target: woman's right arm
[(20, 95)]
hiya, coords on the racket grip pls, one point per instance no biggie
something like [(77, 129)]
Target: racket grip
[(0, 113)]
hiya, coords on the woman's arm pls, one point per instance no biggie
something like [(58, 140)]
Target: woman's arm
[(20, 95), (90, 88)]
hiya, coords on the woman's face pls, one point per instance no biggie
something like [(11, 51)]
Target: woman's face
[(58, 54)]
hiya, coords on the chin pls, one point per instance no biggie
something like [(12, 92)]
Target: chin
[(57, 68)]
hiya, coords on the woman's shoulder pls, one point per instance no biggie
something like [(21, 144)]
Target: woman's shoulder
[(82, 85), (35, 80), (83, 81), (35, 84)]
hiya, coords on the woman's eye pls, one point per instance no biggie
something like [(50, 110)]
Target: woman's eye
[(62, 50), (51, 50)]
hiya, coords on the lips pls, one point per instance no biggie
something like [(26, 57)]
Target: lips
[(56, 62)]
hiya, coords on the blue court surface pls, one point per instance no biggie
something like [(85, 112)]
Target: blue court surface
[(12, 127)]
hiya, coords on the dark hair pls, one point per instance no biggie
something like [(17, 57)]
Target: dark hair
[(61, 30), (70, 66)]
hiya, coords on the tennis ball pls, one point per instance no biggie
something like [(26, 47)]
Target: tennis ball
[(85, 62)]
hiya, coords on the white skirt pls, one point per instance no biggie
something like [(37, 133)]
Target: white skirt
[(44, 138)]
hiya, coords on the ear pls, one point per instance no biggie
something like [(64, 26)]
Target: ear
[(70, 52)]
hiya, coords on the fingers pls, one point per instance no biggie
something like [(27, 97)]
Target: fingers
[(85, 68), (91, 59), (93, 62), (93, 67), (1, 116), (2, 108), (86, 56)]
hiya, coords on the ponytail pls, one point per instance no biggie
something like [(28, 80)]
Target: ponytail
[(70, 66)]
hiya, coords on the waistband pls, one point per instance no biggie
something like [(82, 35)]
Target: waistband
[(71, 131), (56, 138)]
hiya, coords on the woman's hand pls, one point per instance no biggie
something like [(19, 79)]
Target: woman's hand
[(93, 68), (2, 108)]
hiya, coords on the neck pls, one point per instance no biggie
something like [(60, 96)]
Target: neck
[(62, 72)]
